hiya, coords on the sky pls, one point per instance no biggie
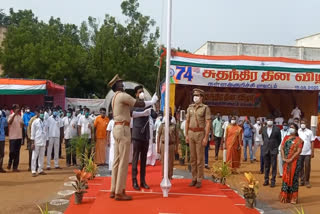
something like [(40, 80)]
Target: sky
[(194, 22)]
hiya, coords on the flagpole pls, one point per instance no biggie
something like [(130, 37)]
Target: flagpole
[(165, 184)]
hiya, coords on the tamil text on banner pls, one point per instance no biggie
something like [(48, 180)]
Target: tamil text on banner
[(245, 72), (226, 99)]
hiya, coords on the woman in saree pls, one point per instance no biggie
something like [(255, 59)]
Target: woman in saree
[(291, 147), (233, 144)]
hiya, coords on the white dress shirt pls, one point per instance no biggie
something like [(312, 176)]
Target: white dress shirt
[(307, 136), (296, 113), (54, 125), (70, 127), (84, 123), (269, 131), (257, 135), (39, 132)]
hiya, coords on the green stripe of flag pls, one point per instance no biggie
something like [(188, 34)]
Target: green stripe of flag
[(22, 92)]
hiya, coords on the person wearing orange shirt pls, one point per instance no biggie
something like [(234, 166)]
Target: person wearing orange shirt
[(100, 125)]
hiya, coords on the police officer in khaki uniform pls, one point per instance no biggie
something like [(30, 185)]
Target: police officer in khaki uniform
[(197, 133), (173, 143), (121, 106)]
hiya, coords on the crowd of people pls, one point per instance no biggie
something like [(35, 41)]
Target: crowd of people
[(286, 148)]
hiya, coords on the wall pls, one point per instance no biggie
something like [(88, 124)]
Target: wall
[(310, 41), (263, 50)]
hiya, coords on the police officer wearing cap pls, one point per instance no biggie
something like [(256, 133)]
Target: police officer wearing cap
[(121, 106), (197, 133)]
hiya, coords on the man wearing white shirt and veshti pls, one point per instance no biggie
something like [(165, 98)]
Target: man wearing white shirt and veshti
[(257, 138), (307, 153), (85, 125), (296, 112), (110, 141), (54, 124), (39, 136), (70, 123)]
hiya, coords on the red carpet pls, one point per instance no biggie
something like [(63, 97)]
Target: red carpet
[(211, 198)]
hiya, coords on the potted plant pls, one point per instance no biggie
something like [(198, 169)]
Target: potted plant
[(250, 190), (90, 166), (221, 171), (44, 211), (80, 185), (80, 147)]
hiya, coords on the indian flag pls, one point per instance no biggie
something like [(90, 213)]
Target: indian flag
[(22, 86)]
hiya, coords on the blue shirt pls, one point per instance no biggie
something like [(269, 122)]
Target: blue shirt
[(26, 118), (3, 124), (247, 130)]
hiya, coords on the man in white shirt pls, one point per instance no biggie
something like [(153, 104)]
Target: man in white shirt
[(296, 112), (257, 138), (39, 136), (307, 153), (284, 133), (110, 141), (70, 123), (54, 124), (85, 125)]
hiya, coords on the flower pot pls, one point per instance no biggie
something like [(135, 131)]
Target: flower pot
[(181, 161), (223, 180), (250, 202), (78, 197)]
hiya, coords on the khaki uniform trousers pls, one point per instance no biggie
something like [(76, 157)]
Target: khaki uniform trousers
[(170, 158), (122, 139), (196, 155)]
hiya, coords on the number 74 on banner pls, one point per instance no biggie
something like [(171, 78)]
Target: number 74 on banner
[(184, 72)]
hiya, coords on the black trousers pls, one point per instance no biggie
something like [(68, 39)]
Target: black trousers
[(270, 160), (14, 153), (217, 142), (2, 144), (70, 155), (140, 148), (305, 161)]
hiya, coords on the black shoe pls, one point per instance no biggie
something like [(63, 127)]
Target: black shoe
[(193, 183), (58, 167), (2, 170), (144, 185), (8, 167), (135, 184), (301, 184), (272, 185), (266, 183), (207, 167)]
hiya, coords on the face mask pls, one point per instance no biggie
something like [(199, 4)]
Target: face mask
[(141, 96), (28, 110), (41, 116), (55, 113), (292, 131), (269, 122), (258, 122), (303, 126), (285, 128), (233, 121), (196, 99), (87, 114), (68, 114)]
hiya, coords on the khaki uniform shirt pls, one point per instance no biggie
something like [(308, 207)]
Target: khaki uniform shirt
[(198, 115), (121, 104), (173, 133)]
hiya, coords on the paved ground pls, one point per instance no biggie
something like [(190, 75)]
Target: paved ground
[(20, 192)]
